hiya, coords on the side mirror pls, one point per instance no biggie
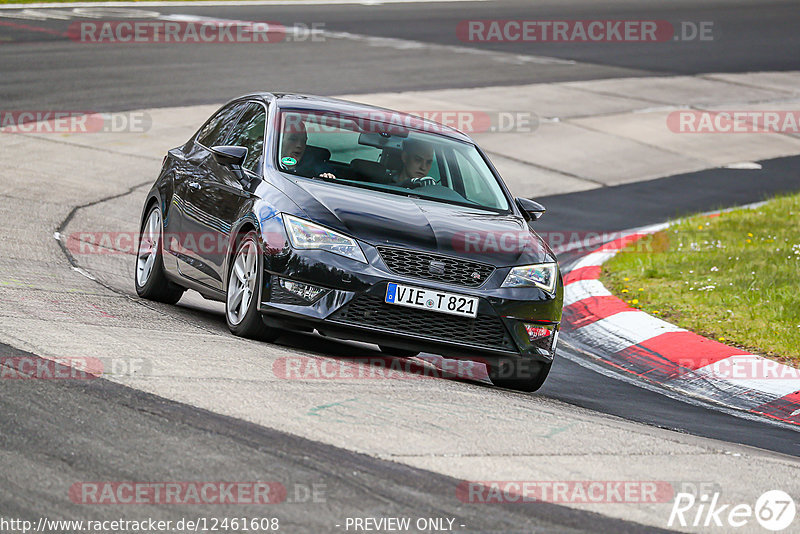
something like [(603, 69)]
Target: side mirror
[(531, 209), (230, 156)]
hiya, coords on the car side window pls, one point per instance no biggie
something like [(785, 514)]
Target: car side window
[(249, 133), (216, 130)]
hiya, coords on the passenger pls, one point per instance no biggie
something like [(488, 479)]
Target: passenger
[(293, 154), (293, 143)]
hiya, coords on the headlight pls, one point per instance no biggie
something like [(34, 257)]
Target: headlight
[(307, 235), (541, 275)]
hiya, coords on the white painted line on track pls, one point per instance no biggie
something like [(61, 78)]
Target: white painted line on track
[(744, 165), (405, 44), (92, 11), (398, 44), (584, 289), (84, 273), (231, 3), (594, 259)]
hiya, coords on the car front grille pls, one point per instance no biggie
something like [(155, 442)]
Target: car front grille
[(371, 311), (436, 267)]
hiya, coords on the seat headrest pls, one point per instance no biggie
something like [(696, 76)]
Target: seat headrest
[(318, 153), (370, 170), (391, 159)]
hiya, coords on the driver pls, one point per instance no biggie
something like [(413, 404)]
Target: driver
[(417, 158)]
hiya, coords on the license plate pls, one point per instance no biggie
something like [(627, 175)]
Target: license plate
[(429, 299)]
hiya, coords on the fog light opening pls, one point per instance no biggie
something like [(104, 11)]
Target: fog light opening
[(304, 291), (537, 332)]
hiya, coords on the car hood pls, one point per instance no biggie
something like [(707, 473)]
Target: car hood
[(394, 220)]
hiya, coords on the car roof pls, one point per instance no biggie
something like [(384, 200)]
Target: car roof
[(346, 107)]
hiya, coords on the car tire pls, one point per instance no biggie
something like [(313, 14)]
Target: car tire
[(241, 293), (521, 375), (401, 353), (149, 277)]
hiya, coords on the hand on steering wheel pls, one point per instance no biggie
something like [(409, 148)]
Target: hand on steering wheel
[(422, 182)]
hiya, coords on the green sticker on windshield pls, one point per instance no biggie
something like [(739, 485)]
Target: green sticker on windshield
[(289, 161)]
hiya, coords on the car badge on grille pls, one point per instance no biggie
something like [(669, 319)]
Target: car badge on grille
[(436, 267), (476, 275)]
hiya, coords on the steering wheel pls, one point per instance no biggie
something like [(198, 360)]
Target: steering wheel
[(422, 182)]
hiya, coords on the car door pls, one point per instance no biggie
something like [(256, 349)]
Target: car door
[(215, 201), (187, 237)]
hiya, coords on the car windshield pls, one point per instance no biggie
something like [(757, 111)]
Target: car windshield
[(375, 154)]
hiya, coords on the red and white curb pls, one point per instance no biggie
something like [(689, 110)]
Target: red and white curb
[(657, 351)]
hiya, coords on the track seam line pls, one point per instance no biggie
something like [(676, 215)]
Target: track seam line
[(41, 137), (549, 169), (75, 265)]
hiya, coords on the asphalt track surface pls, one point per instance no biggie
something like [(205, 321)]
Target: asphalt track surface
[(41, 68), (103, 430)]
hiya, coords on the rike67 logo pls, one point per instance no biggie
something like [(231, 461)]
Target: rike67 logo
[(774, 510)]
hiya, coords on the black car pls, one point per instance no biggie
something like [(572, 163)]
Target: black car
[(301, 212)]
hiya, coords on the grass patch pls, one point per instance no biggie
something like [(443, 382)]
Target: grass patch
[(734, 278)]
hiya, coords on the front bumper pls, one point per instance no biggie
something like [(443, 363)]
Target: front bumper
[(353, 307)]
